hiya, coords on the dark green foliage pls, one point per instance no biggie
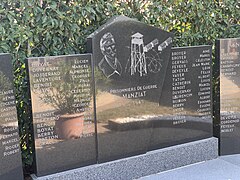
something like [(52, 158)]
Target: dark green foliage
[(55, 27)]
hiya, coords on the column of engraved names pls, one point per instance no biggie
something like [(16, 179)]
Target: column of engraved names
[(8, 120), (43, 76), (229, 104), (203, 64), (180, 90), (81, 73)]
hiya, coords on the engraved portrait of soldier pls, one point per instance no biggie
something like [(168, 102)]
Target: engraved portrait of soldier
[(109, 64)]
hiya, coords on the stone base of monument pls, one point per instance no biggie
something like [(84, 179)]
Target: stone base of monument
[(142, 165)]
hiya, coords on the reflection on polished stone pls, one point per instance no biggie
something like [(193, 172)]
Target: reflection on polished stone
[(188, 91), (228, 57), (10, 154), (130, 62), (62, 109)]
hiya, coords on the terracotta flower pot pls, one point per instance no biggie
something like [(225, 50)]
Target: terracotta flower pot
[(69, 126)]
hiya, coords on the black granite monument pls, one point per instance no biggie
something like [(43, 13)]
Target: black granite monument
[(228, 57), (130, 61), (187, 91), (62, 110), (10, 154)]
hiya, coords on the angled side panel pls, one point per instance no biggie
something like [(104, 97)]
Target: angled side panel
[(10, 154), (229, 61), (62, 109)]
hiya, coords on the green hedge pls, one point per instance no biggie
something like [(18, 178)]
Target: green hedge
[(55, 27)]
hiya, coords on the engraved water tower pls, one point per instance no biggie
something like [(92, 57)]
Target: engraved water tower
[(138, 59)]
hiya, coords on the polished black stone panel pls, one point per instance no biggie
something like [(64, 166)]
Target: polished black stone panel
[(130, 61), (228, 56), (187, 91), (10, 154), (62, 110)]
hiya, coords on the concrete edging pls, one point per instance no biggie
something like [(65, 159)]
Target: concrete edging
[(142, 165)]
